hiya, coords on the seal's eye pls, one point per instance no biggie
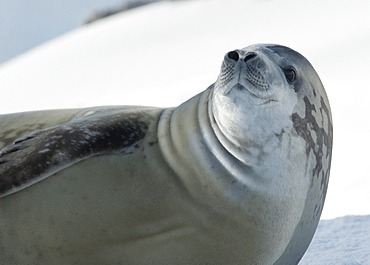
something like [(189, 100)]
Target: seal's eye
[(290, 75)]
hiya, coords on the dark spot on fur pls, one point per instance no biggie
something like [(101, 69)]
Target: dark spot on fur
[(304, 127), (313, 90), (280, 135), (153, 143)]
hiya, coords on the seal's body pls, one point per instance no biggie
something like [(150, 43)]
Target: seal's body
[(236, 175)]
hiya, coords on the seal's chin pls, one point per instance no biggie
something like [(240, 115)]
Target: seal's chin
[(253, 94)]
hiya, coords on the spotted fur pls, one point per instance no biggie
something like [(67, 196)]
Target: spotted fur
[(44, 152)]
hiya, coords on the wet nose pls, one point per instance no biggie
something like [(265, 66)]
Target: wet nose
[(233, 55)]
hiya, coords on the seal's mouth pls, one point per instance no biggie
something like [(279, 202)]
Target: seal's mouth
[(259, 98)]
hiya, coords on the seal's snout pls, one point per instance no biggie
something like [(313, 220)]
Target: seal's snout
[(235, 56), (243, 69)]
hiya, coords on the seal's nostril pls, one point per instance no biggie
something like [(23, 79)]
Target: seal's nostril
[(250, 56), (233, 55)]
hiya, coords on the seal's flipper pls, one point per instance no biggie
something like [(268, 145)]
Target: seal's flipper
[(40, 154)]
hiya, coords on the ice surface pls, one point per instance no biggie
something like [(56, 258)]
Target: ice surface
[(341, 241)]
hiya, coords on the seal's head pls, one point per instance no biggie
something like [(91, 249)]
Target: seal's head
[(261, 91)]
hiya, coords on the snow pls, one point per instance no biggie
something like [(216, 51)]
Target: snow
[(25, 24), (164, 53), (343, 241)]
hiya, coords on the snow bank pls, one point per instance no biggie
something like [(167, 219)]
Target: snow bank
[(342, 241), (24, 24)]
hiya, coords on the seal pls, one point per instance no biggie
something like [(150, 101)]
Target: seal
[(235, 175)]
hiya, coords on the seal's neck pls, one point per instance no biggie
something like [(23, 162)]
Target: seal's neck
[(192, 149)]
